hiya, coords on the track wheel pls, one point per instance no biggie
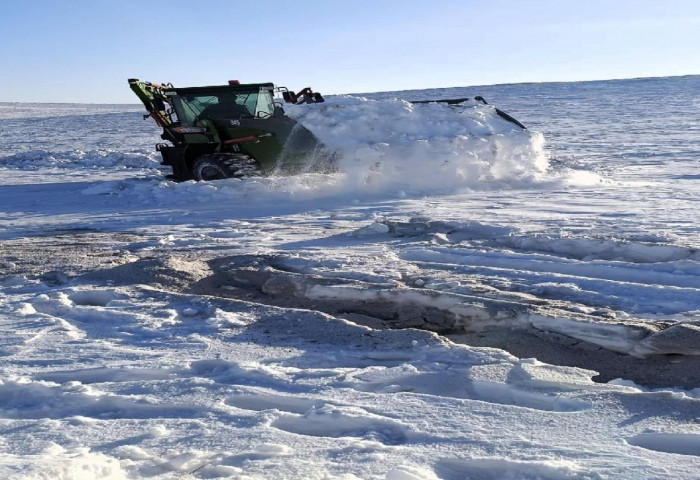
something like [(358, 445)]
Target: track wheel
[(219, 166)]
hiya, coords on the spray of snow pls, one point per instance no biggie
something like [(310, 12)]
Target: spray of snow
[(386, 148), (394, 145)]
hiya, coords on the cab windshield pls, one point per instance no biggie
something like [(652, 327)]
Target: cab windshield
[(222, 103)]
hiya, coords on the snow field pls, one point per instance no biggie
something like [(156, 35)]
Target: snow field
[(246, 329), (156, 398)]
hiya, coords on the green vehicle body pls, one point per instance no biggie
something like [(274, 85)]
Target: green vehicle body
[(234, 130)]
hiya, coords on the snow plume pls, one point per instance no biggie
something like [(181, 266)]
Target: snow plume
[(386, 148), (394, 145)]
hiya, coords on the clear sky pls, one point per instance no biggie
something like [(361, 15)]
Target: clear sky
[(84, 50)]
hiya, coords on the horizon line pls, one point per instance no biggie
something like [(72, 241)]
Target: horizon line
[(403, 90)]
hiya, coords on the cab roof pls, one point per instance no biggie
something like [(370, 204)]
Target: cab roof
[(213, 89)]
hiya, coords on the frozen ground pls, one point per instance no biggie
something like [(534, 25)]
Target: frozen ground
[(436, 310)]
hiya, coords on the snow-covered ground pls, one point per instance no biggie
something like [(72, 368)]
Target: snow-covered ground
[(437, 309)]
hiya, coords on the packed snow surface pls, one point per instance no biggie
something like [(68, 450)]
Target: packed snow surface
[(462, 299)]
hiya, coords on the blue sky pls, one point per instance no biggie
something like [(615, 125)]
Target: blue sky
[(83, 51)]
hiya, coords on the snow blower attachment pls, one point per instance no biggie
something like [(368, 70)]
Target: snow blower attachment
[(231, 131), (306, 95), (478, 98)]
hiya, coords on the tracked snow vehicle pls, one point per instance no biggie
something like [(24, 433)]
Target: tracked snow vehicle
[(238, 130), (230, 131)]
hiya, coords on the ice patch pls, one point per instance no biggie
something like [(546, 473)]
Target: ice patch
[(261, 401), (261, 452), (335, 422), (678, 443), (94, 298), (434, 379), (502, 468), (101, 375)]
